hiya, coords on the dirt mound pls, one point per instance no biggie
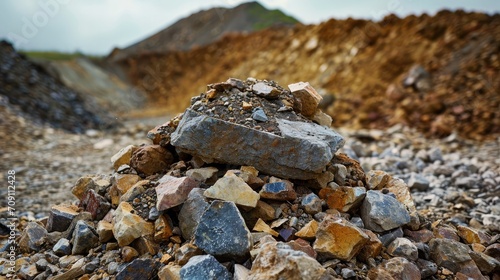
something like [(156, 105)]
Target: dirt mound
[(361, 63), (43, 98), (205, 27)]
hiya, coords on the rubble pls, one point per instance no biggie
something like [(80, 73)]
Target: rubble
[(194, 215)]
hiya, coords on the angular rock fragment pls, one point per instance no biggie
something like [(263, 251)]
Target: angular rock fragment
[(372, 248), (96, 204), (222, 231), (402, 247), (128, 226), (453, 256), (337, 238), (206, 174), (84, 238), (383, 212), (191, 212), (170, 272), (123, 156), (470, 235), (32, 238), (343, 198), (304, 148), (121, 184), (60, 217), (206, 266), (185, 253), (233, 188), (62, 247), (312, 204), (266, 91), (151, 159), (402, 192), (377, 179), (395, 268), (104, 231), (261, 226), (308, 231), (308, 97), (280, 190), (277, 260), (163, 228), (173, 191), (139, 269)]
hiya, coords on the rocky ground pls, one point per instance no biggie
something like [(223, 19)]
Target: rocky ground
[(413, 208)]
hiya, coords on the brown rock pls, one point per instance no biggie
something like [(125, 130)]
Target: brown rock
[(304, 246), (60, 217), (163, 228), (170, 272), (145, 245), (277, 261), (104, 231), (129, 254), (308, 231), (445, 232), (151, 159), (337, 238), (82, 185), (397, 268), (493, 250), (121, 183), (128, 226), (123, 156), (137, 189), (403, 247), (377, 179), (32, 238), (454, 256), (470, 235), (262, 211), (343, 199), (485, 263), (173, 191), (372, 248), (185, 252), (321, 118), (422, 235), (307, 96)]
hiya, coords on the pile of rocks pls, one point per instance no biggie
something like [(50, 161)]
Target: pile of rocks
[(223, 192), (43, 98)]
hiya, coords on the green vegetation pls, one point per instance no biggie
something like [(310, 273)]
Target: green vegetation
[(55, 55), (265, 18)]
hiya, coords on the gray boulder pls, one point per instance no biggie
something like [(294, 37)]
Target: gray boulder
[(301, 152)]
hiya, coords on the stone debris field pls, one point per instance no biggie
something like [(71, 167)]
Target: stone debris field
[(250, 182)]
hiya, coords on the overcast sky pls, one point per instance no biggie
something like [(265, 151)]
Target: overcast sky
[(96, 26)]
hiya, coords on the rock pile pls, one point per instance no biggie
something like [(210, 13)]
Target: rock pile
[(184, 208), (43, 98)]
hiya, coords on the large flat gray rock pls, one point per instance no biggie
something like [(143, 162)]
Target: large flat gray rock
[(301, 152)]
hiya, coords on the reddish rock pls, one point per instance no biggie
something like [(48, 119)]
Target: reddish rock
[(422, 235), (337, 238), (96, 204), (304, 246), (151, 159), (173, 191)]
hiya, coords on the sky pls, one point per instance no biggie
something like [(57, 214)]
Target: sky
[(97, 26)]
